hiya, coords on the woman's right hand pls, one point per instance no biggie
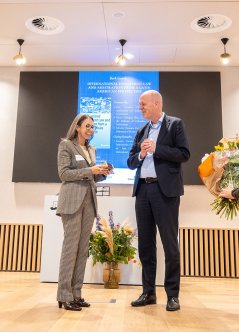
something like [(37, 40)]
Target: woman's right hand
[(100, 169)]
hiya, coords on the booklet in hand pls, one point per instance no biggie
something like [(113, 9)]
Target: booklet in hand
[(110, 166)]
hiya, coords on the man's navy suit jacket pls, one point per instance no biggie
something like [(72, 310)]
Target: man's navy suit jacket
[(171, 151)]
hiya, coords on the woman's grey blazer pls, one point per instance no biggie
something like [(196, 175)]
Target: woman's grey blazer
[(76, 175)]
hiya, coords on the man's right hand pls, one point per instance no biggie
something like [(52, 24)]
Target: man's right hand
[(143, 151), (148, 145)]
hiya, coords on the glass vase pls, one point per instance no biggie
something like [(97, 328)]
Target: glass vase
[(111, 275)]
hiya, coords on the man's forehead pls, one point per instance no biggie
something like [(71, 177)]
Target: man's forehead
[(145, 97)]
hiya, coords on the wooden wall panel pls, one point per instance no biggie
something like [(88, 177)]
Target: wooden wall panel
[(20, 247), (203, 252), (209, 252)]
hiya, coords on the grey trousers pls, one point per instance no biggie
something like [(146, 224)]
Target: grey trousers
[(77, 229)]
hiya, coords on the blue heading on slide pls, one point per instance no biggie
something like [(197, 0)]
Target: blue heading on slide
[(112, 99)]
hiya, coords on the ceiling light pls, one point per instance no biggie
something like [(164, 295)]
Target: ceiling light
[(118, 14), (120, 59), (20, 58), (225, 57)]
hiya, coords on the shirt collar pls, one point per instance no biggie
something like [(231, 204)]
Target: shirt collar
[(158, 123)]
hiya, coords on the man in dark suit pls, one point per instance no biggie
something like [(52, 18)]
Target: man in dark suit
[(158, 150)]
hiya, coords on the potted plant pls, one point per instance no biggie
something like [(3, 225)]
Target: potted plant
[(111, 244)]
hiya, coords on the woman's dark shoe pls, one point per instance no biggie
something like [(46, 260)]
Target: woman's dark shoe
[(81, 303), (69, 306)]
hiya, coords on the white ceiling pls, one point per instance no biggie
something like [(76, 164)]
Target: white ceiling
[(158, 33)]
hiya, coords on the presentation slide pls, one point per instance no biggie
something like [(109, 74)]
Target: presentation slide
[(112, 99)]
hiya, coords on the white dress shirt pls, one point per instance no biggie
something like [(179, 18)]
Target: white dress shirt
[(148, 169)]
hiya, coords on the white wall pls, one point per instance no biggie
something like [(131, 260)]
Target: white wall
[(23, 202), (230, 101)]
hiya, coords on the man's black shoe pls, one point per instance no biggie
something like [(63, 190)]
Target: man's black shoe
[(144, 299), (173, 304)]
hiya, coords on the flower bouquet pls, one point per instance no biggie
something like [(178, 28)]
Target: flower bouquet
[(111, 243), (220, 170)]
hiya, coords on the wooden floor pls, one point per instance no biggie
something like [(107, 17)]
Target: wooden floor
[(206, 305)]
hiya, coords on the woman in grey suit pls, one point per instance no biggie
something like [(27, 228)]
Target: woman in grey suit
[(77, 207)]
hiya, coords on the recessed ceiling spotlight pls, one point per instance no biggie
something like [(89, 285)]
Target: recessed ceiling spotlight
[(45, 25), (211, 23), (118, 14)]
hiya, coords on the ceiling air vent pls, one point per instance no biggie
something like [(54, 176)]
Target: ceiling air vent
[(211, 23), (45, 25)]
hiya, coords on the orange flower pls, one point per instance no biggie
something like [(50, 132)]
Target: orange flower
[(128, 230), (107, 254)]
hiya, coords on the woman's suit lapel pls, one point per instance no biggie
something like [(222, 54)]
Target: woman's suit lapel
[(92, 155), (81, 152)]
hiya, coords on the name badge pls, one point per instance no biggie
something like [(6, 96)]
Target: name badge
[(79, 157)]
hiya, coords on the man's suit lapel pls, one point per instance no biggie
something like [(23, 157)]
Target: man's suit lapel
[(164, 129), (145, 132)]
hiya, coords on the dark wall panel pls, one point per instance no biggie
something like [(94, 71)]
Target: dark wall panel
[(195, 97), (46, 107), (48, 103)]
